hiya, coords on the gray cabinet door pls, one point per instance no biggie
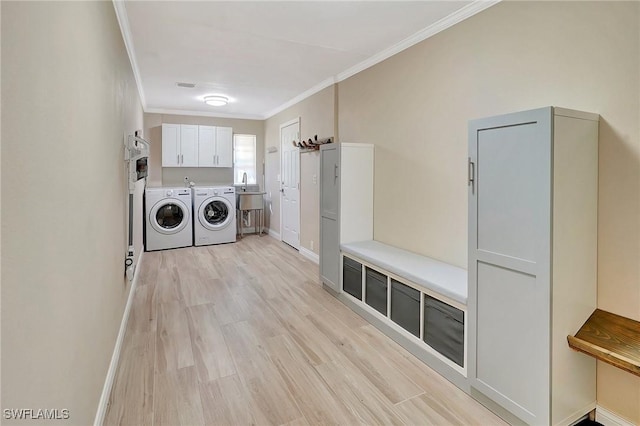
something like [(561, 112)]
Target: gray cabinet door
[(509, 261), (329, 215), (329, 182)]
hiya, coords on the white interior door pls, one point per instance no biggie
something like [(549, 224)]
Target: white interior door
[(290, 184)]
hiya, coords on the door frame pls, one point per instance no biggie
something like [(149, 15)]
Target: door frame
[(282, 126)]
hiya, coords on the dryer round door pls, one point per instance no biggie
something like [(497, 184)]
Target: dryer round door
[(215, 213), (169, 216)]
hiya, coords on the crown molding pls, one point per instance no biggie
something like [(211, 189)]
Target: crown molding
[(123, 21), (448, 21), (302, 96), (458, 16), (203, 113)]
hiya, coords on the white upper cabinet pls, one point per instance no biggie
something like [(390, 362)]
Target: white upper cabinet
[(224, 147), (207, 146), (186, 145), (170, 145)]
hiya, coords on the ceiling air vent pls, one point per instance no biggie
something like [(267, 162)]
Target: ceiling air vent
[(188, 85)]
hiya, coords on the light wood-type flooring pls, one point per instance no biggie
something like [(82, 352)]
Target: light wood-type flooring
[(243, 333)]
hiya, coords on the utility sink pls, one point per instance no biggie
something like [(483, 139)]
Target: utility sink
[(250, 200)]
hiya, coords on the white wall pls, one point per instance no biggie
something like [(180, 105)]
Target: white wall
[(68, 101)]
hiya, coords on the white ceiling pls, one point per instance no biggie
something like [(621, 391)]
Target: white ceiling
[(267, 55)]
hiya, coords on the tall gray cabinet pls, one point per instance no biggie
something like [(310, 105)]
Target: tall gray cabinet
[(533, 182), (346, 203)]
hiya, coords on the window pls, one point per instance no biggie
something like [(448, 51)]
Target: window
[(244, 154)]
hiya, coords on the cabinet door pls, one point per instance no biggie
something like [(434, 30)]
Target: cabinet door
[(330, 253), (509, 262), (170, 145), (224, 147), (206, 146), (188, 145), (329, 225), (329, 189)]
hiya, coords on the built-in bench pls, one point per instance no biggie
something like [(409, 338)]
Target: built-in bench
[(418, 301), (432, 275)]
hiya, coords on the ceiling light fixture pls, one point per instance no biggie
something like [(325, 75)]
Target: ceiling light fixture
[(216, 100)]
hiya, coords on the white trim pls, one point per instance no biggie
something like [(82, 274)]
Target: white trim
[(302, 96), (607, 418), (203, 113), (433, 29), (282, 126), (458, 16), (289, 123), (309, 254), (578, 415), (274, 234), (123, 20), (115, 357)]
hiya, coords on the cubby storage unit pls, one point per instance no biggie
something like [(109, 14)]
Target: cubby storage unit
[(444, 329), (376, 290), (352, 278), (533, 215), (417, 301), (405, 307)]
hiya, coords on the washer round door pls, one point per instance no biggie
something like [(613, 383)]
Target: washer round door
[(169, 216), (215, 213)]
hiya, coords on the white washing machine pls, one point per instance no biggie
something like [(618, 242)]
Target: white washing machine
[(168, 218), (214, 210)]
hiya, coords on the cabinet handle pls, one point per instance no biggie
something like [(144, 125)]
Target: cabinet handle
[(181, 159), (217, 161), (335, 172), (178, 158), (472, 174)]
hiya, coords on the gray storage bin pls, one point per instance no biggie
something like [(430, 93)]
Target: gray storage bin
[(352, 277), (376, 294), (444, 329), (405, 307)]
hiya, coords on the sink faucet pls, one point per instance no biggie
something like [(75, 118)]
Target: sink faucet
[(244, 180)]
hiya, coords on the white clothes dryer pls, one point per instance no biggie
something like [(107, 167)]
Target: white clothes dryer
[(214, 209), (168, 218)]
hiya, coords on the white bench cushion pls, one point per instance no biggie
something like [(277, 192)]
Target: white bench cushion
[(439, 277)]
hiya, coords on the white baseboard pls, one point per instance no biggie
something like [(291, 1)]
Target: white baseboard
[(607, 418), (113, 366), (309, 255), (275, 234)]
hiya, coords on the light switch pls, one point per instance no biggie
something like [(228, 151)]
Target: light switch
[(315, 179)]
